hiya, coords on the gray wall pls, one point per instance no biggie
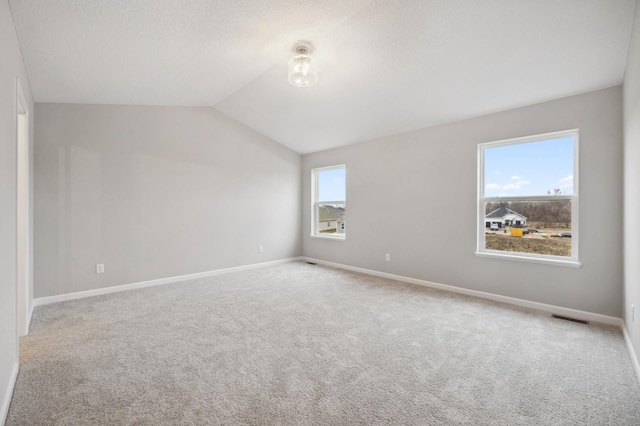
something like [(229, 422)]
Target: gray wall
[(11, 66), (632, 187), (414, 196), (155, 192)]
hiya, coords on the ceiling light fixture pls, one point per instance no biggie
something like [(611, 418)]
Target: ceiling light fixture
[(302, 68)]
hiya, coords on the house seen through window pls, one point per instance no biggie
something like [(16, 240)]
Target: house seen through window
[(329, 202), (527, 195)]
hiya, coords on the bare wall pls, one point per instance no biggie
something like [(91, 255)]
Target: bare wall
[(11, 67), (632, 187), (413, 195), (155, 192)]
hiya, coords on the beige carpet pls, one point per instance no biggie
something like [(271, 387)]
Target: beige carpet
[(298, 344)]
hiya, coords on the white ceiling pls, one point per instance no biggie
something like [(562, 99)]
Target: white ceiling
[(385, 67)]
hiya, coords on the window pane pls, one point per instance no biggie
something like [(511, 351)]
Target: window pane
[(540, 227), (533, 168), (331, 214), (332, 218), (331, 185)]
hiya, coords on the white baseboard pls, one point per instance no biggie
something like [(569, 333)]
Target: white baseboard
[(558, 310), (632, 353), (142, 284), (4, 409)]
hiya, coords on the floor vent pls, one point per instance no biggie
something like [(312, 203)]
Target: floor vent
[(570, 319), (311, 263)]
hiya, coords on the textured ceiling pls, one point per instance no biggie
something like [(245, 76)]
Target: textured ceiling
[(385, 67)]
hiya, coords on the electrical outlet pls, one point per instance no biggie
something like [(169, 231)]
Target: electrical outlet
[(387, 257), (259, 249), (100, 268)]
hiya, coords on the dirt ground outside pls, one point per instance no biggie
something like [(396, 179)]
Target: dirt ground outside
[(565, 227), (532, 243)]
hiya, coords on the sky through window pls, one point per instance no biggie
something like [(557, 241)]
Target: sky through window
[(531, 168), (331, 185)]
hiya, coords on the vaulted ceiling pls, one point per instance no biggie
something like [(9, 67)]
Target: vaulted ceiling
[(385, 67)]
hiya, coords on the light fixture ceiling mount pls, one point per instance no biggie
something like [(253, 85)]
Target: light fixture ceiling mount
[(302, 68)]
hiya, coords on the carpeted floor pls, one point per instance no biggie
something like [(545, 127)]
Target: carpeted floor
[(298, 344)]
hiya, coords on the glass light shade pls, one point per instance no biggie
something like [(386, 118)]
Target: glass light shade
[(302, 71)]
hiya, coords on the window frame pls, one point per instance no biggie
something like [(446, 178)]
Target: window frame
[(340, 236), (481, 251)]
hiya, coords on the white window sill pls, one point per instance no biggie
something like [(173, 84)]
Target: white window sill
[(340, 237), (530, 259)]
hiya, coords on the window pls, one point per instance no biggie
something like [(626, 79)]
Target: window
[(329, 209), (528, 198)]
